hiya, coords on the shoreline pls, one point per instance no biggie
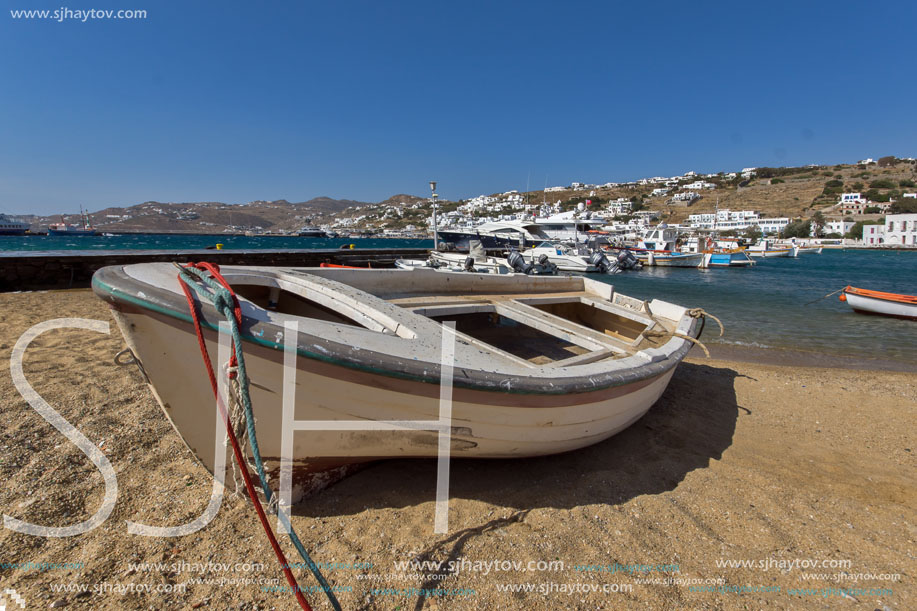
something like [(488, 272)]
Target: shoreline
[(719, 351), (770, 462), (788, 357)]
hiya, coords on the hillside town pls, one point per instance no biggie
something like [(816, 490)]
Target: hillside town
[(865, 203)]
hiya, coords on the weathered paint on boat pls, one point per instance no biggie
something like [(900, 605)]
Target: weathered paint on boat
[(369, 349)]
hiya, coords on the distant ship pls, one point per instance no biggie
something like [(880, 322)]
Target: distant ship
[(72, 229), (10, 227), (311, 232)]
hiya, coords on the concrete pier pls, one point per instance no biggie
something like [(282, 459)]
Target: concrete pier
[(26, 270)]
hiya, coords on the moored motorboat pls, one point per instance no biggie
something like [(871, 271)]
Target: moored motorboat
[(562, 256), (543, 364), (659, 247), (765, 249), (726, 258), (866, 301), (718, 252)]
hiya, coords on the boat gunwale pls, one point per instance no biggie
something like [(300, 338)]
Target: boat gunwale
[(172, 305), (881, 296)]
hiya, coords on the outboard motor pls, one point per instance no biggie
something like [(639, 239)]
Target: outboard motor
[(517, 262), (469, 264), (627, 260), (601, 263), (545, 262)]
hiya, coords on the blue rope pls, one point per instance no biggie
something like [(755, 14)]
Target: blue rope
[(223, 301)]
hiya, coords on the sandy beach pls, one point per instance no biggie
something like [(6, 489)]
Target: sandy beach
[(747, 486)]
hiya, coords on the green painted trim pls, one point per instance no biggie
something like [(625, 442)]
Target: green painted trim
[(119, 295)]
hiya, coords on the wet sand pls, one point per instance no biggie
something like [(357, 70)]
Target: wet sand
[(779, 466)]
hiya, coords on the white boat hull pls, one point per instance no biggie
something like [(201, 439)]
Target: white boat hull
[(871, 305), (530, 410), (769, 254), (671, 259)]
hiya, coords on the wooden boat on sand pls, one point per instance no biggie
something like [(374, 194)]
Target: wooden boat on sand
[(542, 364), (865, 301)]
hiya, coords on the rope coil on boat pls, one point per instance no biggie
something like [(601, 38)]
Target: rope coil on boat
[(693, 313), (195, 277), (702, 313)]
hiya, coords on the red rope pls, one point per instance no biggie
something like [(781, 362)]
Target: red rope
[(284, 564)]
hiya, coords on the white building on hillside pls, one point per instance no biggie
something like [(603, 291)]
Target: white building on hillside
[(772, 226), (873, 235), (833, 226), (737, 220), (620, 206), (852, 198), (700, 184), (901, 229)]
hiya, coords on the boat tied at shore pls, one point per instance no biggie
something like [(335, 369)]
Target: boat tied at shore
[(865, 301)]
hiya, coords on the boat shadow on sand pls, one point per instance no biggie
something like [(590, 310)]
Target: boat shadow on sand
[(692, 423)]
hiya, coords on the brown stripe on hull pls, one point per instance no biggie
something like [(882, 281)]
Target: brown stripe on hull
[(410, 387)]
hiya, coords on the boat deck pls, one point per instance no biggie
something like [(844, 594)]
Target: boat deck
[(554, 329)]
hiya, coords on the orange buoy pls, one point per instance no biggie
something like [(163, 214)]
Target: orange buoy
[(843, 297)]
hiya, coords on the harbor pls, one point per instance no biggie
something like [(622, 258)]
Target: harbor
[(438, 307)]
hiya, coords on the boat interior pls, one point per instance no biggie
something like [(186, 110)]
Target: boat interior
[(531, 320)]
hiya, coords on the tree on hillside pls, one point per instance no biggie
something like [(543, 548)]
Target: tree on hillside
[(904, 206), (818, 222), (887, 161), (753, 233), (799, 229), (882, 183)]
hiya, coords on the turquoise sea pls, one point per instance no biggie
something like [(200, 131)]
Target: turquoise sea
[(139, 241), (767, 306), (763, 307)]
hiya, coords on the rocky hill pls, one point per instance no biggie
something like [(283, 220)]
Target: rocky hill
[(796, 192), (278, 216)]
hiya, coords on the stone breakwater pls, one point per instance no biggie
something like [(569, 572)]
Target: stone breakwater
[(74, 269)]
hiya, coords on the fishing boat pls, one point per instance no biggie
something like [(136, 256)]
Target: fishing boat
[(726, 258), (659, 247), (85, 228), (809, 250), (866, 301), (542, 364), (766, 249), (716, 255)]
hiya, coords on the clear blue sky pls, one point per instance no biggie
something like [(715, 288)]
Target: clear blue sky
[(235, 101)]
